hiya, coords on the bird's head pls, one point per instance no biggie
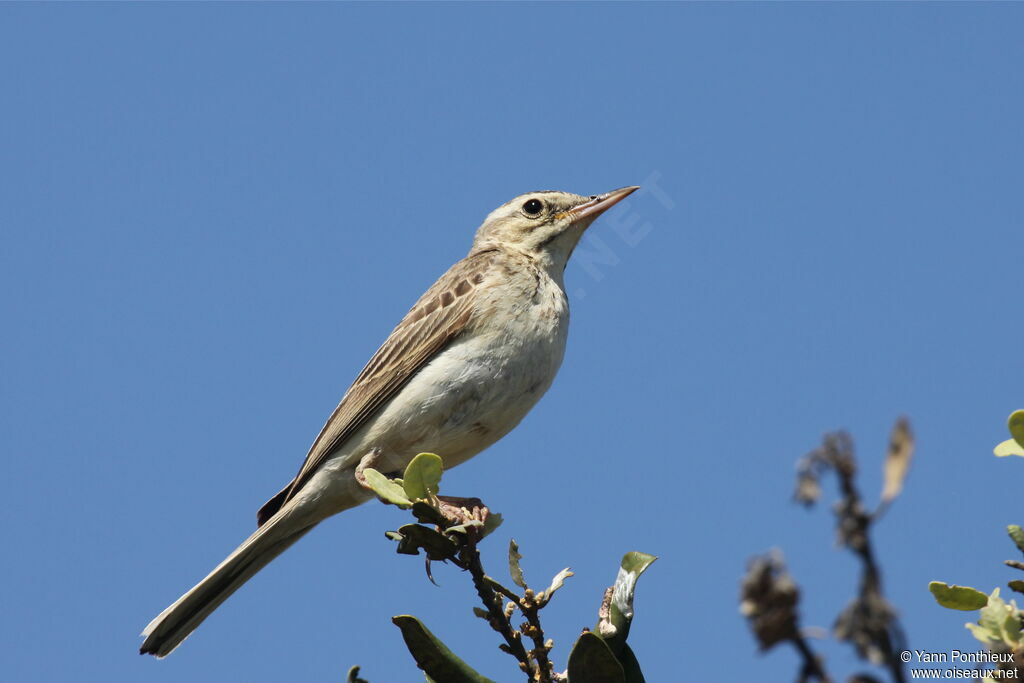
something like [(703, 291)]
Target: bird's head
[(545, 225)]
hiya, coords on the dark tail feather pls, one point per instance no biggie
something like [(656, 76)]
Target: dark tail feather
[(273, 505), (175, 623)]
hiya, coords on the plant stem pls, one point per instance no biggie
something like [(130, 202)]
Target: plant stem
[(811, 664), (530, 608), (498, 621)]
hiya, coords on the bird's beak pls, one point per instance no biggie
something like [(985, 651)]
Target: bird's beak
[(598, 204)]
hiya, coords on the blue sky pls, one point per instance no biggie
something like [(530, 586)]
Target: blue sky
[(213, 214)]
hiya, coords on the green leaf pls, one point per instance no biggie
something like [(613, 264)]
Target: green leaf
[(1016, 426), (998, 623), (499, 588), (957, 597), (513, 564), (544, 597), (630, 665), (1014, 446), (432, 656), (423, 476), (1016, 585), (897, 462), (1011, 629), (591, 661), (492, 522), (620, 612), (436, 545), (353, 676), (386, 489), (1017, 534), (427, 513), (994, 613), (1008, 447), (464, 528), (637, 562)]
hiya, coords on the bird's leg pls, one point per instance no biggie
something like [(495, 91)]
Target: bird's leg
[(370, 460), (454, 509)]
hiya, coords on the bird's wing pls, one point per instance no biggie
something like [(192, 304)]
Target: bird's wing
[(440, 315)]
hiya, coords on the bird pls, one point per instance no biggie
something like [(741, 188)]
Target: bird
[(459, 371)]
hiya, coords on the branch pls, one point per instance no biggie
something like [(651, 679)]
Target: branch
[(870, 621), (530, 608), (498, 619), (769, 599), (811, 666), (450, 529)]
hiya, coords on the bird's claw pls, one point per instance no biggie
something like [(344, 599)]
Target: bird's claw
[(368, 461), (462, 510)]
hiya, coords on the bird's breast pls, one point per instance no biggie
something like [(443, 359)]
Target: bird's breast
[(485, 382)]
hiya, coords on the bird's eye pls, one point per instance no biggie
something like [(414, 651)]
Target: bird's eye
[(533, 207)]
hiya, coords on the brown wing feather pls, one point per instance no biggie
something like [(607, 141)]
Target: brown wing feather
[(440, 315)]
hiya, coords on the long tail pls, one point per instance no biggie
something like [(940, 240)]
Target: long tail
[(175, 623)]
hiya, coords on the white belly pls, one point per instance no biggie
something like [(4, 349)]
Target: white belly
[(466, 398)]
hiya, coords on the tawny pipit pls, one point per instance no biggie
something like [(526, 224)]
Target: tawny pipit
[(461, 370)]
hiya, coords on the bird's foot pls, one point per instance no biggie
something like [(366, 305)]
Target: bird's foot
[(369, 461), (462, 510)]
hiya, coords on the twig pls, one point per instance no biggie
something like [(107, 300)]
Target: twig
[(769, 599), (470, 558), (870, 621), (530, 608), (504, 591), (459, 525), (811, 664)]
